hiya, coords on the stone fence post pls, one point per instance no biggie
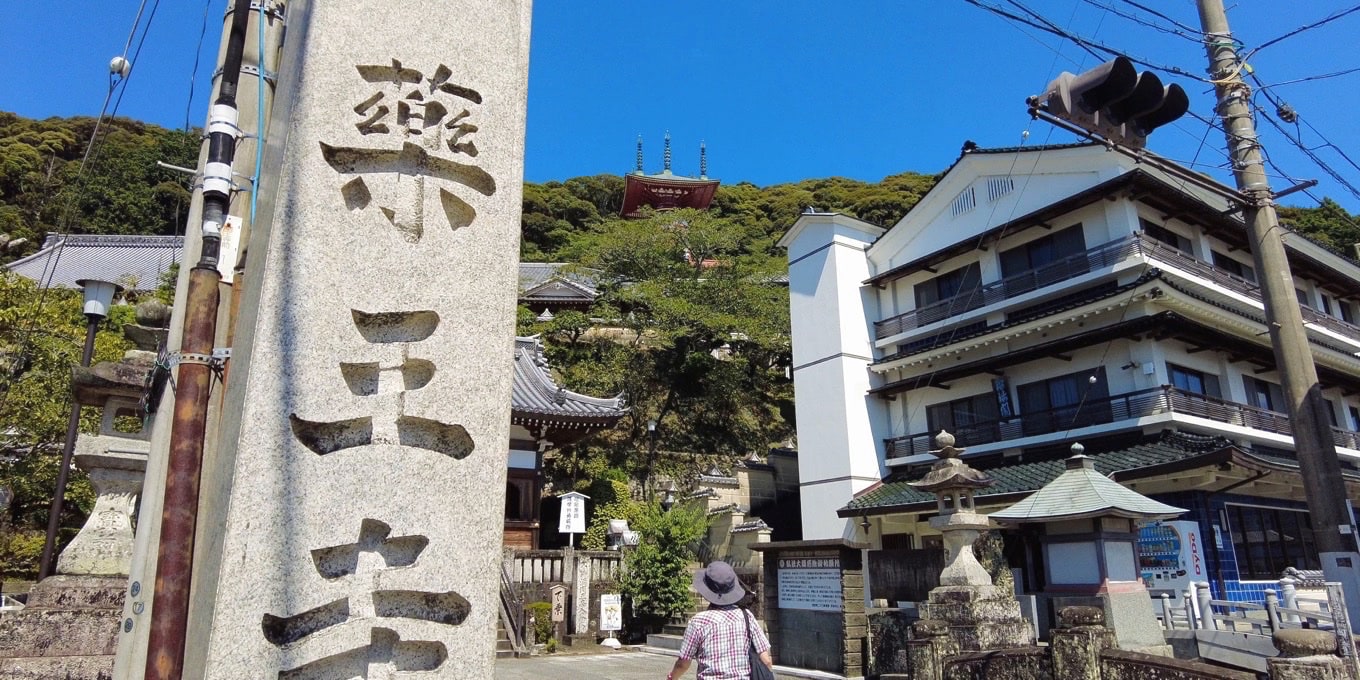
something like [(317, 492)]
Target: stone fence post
[(1078, 641), (1306, 655)]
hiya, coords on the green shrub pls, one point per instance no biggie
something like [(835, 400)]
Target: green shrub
[(551, 646), (543, 623)]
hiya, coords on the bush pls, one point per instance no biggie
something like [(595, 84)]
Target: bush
[(657, 579), (541, 612)]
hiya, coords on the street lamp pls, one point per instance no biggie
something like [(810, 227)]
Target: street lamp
[(98, 298), (651, 457)]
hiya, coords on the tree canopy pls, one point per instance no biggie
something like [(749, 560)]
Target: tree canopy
[(123, 191)]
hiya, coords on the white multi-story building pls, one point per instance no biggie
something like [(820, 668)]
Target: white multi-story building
[(1042, 296)]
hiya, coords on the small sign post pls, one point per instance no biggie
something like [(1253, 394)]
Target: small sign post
[(558, 598), (572, 520)]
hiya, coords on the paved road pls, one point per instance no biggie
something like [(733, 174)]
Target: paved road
[(622, 665)]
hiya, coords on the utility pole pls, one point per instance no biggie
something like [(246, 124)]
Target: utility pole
[(1332, 520)]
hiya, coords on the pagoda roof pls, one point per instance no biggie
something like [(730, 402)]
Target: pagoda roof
[(666, 191), (134, 262), (537, 399), (1081, 492)]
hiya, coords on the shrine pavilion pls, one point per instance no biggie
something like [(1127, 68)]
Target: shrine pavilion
[(666, 190)]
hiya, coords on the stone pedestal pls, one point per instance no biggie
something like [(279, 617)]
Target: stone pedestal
[(1129, 615), (69, 630), (979, 617), (1306, 655), (104, 544)]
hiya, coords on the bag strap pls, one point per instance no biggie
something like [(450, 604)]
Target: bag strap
[(746, 621)]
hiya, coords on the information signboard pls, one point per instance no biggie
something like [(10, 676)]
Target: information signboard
[(573, 517), (812, 583)]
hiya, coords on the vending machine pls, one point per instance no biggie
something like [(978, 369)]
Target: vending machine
[(1171, 557)]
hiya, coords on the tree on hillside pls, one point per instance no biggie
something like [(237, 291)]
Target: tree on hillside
[(123, 191), (697, 337), (1329, 224)]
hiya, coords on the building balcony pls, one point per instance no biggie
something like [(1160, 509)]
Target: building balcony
[(1100, 257), (1127, 409)]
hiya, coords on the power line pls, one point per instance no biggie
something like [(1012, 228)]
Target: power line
[(193, 74), (1153, 12), (1088, 45), (1301, 29), (1194, 37)]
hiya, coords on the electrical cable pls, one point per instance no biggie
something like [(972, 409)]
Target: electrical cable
[(1194, 37), (193, 74), (1153, 12), (1333, 17), (1088, 45)]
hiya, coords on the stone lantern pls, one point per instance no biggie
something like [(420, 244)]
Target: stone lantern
[(979, 615)]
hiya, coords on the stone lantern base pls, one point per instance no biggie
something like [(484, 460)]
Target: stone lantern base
[(979, 617), (69, 629)]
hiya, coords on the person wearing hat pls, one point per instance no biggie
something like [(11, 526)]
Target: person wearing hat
[(721, 637)]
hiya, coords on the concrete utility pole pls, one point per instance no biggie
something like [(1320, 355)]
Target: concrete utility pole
[(1333, 524)]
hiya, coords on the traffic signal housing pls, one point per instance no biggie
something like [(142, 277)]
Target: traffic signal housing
[(1115, 101)]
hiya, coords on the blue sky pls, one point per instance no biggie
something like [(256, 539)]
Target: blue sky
[(779, 91)]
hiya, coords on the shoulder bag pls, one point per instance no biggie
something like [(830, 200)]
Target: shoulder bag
[(759, 671)]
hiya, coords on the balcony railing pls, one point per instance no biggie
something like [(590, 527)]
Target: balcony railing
[(1130, 406), (1009, 287), (1081, 263)]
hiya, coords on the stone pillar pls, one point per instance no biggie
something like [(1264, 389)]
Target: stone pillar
[(580, 616), (1306, 655), (1078, 640), (855, 656), (357, 528)]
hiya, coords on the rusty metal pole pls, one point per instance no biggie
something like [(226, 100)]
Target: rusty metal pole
[(194, 379)]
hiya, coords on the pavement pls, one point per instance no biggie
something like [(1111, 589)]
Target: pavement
[(626, 664)]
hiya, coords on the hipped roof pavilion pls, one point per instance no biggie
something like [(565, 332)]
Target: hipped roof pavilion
[(1081, 493)]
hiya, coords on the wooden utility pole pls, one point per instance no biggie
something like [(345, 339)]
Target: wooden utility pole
[(1332, 520)]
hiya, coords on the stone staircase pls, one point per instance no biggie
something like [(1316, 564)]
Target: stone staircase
[(673, 633), (68, 630), (505, 649)]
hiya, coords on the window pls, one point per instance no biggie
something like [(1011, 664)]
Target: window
[(1234, 267), (962, 416), (1266, 541), (1355, 418), (1166, 236), (959, 285), (1042, 251), (1197, 382), (1303, 298), (1262, 394), (1039, 252), (1347, 314), (1331, 412), (1065, 402)]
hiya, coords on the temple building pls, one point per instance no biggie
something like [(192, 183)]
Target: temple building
[(544, 415), (666, 190)]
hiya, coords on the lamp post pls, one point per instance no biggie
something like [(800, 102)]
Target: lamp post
[(98, 298), (651, 458)]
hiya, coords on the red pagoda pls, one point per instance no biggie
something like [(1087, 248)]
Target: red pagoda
[(665, 190)]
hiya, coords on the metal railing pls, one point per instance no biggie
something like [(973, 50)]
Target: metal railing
[(1075, 265), (1128, 406), (512, 613)]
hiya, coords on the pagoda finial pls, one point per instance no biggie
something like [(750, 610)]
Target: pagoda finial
[(703, 160), (667, 166), (638, 169)]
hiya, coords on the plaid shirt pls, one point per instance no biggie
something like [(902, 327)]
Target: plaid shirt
[(717, 639)]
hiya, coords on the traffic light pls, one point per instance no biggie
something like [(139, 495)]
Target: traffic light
[(1115, 101)]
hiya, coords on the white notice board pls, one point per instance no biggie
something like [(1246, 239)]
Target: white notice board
[(810, 583), (573, 517)]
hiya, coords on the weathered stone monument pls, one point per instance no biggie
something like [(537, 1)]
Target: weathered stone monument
[(978, 614), (363, 438)]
